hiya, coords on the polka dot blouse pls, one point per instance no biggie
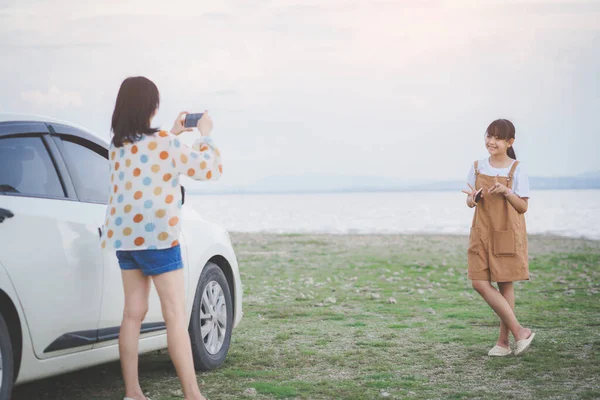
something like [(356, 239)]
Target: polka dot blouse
[(144, 206)]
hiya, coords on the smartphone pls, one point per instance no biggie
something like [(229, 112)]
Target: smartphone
[(191, 120), (478, 195)]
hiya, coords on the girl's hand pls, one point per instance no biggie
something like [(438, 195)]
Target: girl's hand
[(178, 125), (471, 195), (498, 188), (205, 124)]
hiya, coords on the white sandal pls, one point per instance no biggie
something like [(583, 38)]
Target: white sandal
[(523, 345), (499, 351)]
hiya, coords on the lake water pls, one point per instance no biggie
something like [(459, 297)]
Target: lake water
[(572, 213)]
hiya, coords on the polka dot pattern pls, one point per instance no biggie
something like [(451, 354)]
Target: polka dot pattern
[(144, 209), (163, 236)]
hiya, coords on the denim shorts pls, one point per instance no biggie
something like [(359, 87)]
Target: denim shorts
[(151, 262)]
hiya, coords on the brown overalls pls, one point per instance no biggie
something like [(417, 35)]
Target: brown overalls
[(498, 241)]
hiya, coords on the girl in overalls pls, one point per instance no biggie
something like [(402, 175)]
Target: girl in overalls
[(499, 191)]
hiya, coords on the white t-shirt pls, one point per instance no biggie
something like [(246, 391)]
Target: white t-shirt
[(520, 184)]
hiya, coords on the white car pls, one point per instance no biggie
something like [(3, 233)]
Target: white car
[(61, 296)]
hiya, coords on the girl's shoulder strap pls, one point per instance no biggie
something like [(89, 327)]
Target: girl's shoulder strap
[(476, 167), (511, 173)]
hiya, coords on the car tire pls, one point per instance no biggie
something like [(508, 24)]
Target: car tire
[(6, 362), (212, 319)]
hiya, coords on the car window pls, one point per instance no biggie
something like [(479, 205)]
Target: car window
[(27, 169), (88, 167)]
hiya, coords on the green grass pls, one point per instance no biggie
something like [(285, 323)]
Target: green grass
[(362, 317)]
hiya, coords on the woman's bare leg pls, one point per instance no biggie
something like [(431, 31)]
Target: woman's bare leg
[(502, 308), (137, 289), (507, 290), (171, 290)]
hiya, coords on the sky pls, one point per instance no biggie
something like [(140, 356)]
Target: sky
[(399, 89)]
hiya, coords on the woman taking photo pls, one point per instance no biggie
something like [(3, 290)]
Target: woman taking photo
[(143, 222)]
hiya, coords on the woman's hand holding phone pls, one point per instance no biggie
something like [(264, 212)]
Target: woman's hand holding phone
[(474, 196), (205, 124), (178, 125)]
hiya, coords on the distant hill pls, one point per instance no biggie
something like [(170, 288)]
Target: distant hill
[(313, 183)]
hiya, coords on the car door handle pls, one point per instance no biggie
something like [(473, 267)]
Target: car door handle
[(4, 213)]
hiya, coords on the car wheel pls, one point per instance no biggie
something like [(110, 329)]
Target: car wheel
[(212, 319), (6, 362)]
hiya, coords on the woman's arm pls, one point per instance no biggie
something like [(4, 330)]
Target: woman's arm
[(201, 162), (518, 203)]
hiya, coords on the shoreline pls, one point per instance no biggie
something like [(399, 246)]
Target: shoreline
[(550, 236)]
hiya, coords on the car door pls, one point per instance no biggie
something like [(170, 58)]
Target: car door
[(86, 157), (49, 246)]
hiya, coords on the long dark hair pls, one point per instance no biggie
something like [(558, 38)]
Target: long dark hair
[(137, 101), (503, 129)]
